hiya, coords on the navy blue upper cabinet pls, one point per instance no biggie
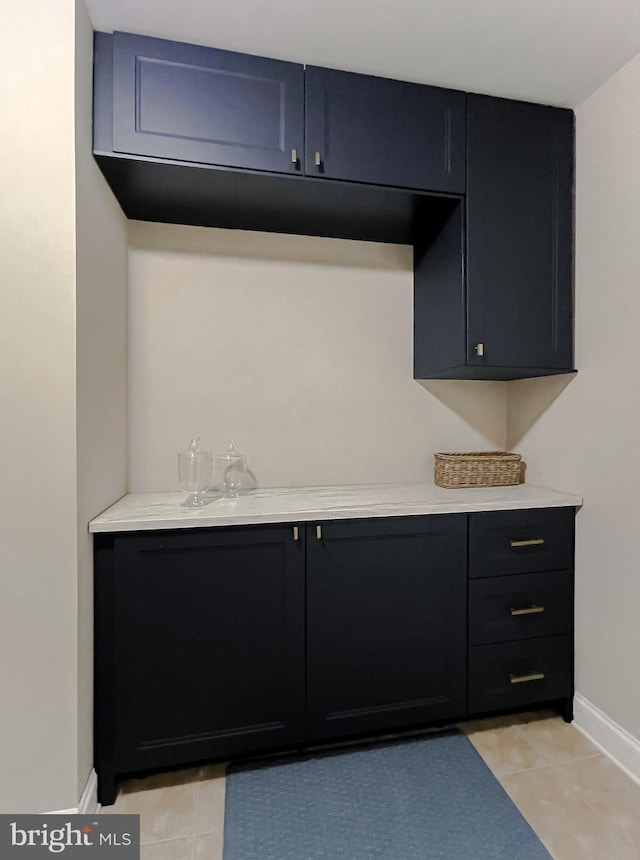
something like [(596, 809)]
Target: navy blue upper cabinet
[(191, 103), (494, 288), (482, 187), (520, 160), (375, 130)]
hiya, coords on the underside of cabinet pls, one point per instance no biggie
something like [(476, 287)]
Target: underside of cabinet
[(178, 193)]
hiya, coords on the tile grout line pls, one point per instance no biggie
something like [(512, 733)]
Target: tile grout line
[(541, 766), (195, 821), (168, 839)]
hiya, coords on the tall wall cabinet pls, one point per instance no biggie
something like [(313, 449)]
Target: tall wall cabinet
[(493, 288)]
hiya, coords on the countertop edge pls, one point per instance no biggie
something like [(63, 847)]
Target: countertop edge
[(129, 520)]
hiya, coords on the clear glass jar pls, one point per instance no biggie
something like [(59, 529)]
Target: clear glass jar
[(230, 472), (194, 472)]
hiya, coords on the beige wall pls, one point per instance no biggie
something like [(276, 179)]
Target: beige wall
[(38, 629), (586, 440), (101, 367), (299, 347), (63, 383)]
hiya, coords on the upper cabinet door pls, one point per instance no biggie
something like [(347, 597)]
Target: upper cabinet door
[(375, 130), (191, 103), (520, 161)]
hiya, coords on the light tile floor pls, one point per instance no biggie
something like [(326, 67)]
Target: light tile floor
[(580, 804)]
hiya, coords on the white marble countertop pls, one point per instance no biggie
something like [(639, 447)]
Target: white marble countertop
[(147, 511)]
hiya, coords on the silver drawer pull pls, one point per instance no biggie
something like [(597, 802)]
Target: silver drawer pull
[(531, 542), (524, 679), (527, 610)]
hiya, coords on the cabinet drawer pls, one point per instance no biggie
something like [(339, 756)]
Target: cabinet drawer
[(519, 673), (506, 542), (525, 606)]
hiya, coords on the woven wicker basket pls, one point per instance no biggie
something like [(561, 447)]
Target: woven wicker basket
[(477, 469)]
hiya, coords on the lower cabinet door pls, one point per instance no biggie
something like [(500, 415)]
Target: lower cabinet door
[(386, 623), (520, 673), (208, 644)]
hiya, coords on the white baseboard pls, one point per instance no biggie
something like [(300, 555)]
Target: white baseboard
[(88, 803), (614, 741)]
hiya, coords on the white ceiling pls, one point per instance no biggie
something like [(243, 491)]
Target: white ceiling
[(550, 51)]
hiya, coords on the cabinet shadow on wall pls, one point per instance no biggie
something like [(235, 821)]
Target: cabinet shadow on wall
[(482, 404), (503, 412), (527, 402)]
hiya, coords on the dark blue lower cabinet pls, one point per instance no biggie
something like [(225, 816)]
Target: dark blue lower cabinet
[(521, 596), (216, 643), (199, 647), (386, 623)]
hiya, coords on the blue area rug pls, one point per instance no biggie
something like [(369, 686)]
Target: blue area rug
[(413, 800)]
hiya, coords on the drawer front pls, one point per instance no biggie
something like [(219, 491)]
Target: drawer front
[(525, 606), (519, 673), (506, 542)]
